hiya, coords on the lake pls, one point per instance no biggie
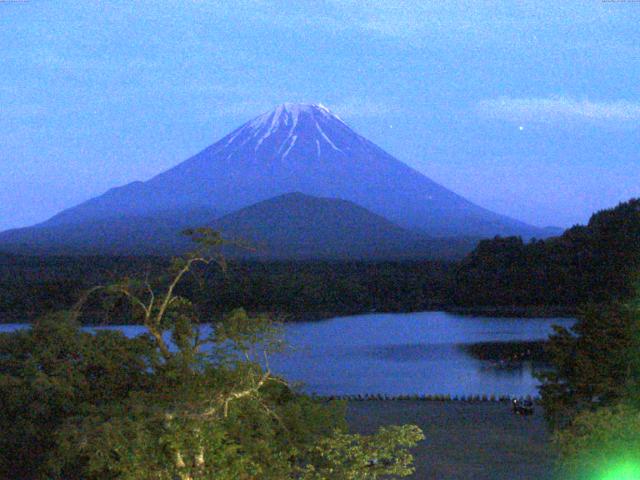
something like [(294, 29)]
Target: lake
[(403, 354)]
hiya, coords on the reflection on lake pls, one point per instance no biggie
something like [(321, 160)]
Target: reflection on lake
[(396, 354)]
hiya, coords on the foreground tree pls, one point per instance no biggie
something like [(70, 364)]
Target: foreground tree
[(186, 400), (602, 444), (592, 363), (593, 397), (54, 371)]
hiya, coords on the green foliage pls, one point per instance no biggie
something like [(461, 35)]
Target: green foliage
[(52, 372), (78, 405), (593, 398), (356, 457), (592, 362), (140, 440), (599, 444)]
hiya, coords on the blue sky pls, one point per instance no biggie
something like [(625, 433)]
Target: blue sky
[(528, 108)]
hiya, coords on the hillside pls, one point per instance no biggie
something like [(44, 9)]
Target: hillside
[(156, 233), (298, 226), (596, 262)]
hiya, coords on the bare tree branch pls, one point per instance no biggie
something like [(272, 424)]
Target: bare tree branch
[(169, 295), (79, 305)]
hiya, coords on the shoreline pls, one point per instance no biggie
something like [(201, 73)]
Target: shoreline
[(428, 398), (488, 311), (532, 311)]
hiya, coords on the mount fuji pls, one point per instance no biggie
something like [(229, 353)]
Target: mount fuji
[(293, 148)]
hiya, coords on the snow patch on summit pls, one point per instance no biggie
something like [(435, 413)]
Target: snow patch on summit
[(289, 116)]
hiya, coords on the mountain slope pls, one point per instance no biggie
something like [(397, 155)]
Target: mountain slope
[(300, 226), (290, 226), (307, 149), (152, 233)]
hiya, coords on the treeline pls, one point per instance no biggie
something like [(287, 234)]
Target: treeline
[(595, 263), (320, 289), (32, 286), (587, 264)]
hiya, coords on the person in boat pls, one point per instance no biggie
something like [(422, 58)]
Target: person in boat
[(522, 407)]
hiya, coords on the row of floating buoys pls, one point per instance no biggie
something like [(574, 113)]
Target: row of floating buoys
[(426, 397)]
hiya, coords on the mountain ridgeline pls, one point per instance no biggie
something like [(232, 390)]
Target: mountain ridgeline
[(595, 263), (293, 148)]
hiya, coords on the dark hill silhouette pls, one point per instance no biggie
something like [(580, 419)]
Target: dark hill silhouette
[(594, 263), (300, 226)]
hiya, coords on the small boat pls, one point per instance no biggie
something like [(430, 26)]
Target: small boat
[(522, 407)]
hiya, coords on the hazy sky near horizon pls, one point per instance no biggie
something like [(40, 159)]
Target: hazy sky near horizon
[(528, 108)]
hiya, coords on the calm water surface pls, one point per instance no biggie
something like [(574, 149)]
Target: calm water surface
[(395, 354)]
